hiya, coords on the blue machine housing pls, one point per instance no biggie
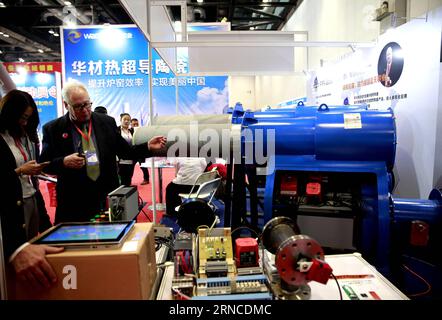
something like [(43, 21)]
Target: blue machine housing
[(339, 140), (325, 134)]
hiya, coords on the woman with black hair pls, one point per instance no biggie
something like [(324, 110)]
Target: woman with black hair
[(126, 166), (22, 209)]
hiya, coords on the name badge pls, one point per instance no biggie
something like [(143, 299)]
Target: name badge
[(91, 158)]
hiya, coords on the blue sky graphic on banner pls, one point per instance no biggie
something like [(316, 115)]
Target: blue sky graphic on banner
[(112, 61), (43, 89), (199, 95), (196, 94)]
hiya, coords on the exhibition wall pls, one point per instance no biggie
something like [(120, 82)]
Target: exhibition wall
[(331, 20), (325, 20), (242, 89), (283, 88), (401, 72), (334, 20), (417, 8), (437, 176)]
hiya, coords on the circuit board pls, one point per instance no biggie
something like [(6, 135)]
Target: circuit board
[(215, 252)]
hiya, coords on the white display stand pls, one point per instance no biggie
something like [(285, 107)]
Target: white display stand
[(350, 270), (353, 271), (159, 165)]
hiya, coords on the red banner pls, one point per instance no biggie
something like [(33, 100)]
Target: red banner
[(11, 67)]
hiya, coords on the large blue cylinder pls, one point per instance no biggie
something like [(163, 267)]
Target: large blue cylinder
[(340, 135), (293, 136), (329, 133)]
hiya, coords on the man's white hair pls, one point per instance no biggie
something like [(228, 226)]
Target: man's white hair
[(70, 86)]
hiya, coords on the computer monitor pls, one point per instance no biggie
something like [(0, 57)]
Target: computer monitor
[(87, 234)]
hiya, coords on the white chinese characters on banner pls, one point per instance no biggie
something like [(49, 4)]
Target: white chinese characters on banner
[(161, 68), (111, 67), (181, 66), (115, 83)]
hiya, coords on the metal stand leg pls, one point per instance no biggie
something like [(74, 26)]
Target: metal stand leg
[(160, 206)]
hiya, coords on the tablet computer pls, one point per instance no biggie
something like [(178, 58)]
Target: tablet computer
[(87, 234)]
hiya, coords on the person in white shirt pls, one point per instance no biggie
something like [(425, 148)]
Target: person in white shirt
[(187, 171), (134, 124)]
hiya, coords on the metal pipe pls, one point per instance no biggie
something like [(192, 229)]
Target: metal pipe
[(276, 231), (416, 209), (328, 133), (188, 139)]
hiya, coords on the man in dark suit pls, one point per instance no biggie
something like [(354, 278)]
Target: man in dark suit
[(82, 147)]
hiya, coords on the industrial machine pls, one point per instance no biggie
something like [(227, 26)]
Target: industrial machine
[(329, 168), (299, 259), (205, 269), (332, 172)]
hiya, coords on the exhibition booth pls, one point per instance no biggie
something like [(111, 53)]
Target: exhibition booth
[(331, 189)]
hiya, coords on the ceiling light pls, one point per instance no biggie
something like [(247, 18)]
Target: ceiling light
[(56, 34), (252, 28), (67, 3), (21, 60), (1, 52), (5, 35), (51, 31), (199, 1), (40, 50), (71, 24), (2, 5), (1, 32)]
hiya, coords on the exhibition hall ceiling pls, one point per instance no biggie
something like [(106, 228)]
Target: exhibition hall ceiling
[(30, 29), (242, 14)]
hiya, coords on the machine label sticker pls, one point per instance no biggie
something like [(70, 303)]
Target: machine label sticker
[(352, 121)]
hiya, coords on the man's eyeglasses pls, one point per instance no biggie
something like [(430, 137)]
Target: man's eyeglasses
[(85, 105)]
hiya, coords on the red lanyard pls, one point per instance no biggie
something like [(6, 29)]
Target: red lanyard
[(81, 132), (19, 145)]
